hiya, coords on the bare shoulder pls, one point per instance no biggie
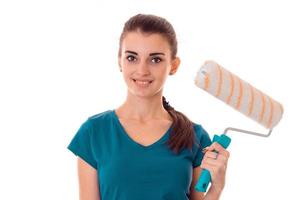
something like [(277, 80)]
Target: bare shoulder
[(88, 181)]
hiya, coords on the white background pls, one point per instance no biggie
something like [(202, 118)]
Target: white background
[(58, 66)]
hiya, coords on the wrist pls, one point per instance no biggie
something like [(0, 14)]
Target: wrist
[(217, 190), (213, 193)]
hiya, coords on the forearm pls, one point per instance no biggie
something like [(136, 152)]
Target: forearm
[(212, 194)]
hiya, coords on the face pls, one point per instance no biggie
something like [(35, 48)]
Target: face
[(146, 62)]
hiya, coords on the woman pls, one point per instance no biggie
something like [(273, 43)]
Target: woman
[(145, 149)]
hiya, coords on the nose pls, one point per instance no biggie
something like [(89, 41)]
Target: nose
[(143, 68)]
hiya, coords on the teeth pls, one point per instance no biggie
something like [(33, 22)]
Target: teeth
[(142, 82)]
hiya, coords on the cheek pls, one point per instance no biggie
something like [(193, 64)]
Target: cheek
[(163, 70), (127, 74)]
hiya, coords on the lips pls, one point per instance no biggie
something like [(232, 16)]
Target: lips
[(142, 82)]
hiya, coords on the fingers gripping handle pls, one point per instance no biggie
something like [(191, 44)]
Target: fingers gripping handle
[(205, 177)]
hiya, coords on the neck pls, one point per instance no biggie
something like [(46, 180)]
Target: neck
[(143, 108)]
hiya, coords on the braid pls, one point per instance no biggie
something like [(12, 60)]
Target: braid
[(166, 104), (183, 131)]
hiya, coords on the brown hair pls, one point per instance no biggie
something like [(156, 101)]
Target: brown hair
[(183, 131)]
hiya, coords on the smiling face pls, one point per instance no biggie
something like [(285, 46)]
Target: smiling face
[(145, 60)]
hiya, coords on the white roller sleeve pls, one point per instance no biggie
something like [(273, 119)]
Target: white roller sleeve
[(239, 94)]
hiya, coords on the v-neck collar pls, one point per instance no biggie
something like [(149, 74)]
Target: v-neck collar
[(123, 131)]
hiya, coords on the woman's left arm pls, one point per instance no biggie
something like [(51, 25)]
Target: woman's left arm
[(216, 164)]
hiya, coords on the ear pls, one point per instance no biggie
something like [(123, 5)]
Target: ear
[(119, 63), (174, 66)]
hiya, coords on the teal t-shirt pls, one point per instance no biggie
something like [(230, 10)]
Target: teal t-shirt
[(128, 170)]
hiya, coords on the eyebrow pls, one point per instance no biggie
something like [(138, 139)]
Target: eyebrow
[(151, 54)]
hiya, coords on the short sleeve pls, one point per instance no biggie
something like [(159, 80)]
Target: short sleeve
[(81, 144), (203, 140)]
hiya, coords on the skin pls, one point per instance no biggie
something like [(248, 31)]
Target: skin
[(148, 57), (144, 103), (88, 181)]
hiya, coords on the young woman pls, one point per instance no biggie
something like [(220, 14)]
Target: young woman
[(145, 149)]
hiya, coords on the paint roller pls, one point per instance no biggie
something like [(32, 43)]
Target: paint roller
[(241, 96)]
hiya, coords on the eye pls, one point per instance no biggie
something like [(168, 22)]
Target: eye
[(131, 58), (156, 60)]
